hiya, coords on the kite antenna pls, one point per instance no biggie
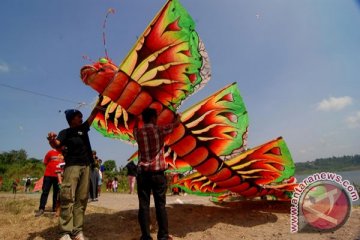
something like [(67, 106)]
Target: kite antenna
[(87, 58), (110, 10)]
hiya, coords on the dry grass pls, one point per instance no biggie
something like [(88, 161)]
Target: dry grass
[(18, 221), (189, 221), (16, 216)]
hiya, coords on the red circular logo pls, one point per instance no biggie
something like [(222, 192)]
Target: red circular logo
[(325, 206)]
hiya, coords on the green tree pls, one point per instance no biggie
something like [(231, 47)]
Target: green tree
[(16, 165), (14, 156), (34, 160), (110, 165)]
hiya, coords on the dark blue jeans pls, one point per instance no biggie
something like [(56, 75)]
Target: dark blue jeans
[(155, 182), (94, 180), (47, 183)]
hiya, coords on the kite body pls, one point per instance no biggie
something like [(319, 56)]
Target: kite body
[(167, 64)]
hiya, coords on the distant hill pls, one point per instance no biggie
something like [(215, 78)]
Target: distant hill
[(333, 164)]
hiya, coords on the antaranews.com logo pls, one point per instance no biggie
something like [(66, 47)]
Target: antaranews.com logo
[(321, 202)]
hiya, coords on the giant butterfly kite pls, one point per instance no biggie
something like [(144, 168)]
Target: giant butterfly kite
[(167, 64)]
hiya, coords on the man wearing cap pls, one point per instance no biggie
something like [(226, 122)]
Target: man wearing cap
[(78, 159)]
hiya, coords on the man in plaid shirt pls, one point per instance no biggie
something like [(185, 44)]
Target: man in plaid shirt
[(151, 177)]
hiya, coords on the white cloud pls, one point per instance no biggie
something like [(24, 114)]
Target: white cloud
[(4, 68), (334, 104), (354, 120)]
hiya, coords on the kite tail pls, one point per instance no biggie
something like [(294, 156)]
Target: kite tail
[(268, 163), (264, 170)]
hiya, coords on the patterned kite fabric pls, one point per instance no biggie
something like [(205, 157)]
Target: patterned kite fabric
[(166, 65), (264, 170)]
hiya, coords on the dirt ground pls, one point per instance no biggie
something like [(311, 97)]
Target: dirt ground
[(114, 216)]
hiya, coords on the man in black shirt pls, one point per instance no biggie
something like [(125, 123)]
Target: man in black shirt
[(75, 185)]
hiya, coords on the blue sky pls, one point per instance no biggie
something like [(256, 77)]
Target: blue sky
[(297, 65)]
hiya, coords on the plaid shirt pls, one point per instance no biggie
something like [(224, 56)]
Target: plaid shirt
[(150, 140)]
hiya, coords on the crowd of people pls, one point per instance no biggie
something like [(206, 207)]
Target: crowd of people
[(16, 185), (81, 177), (112, 184)]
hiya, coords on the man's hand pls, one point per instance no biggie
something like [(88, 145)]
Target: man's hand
[(51, 136), (177, 119), (96, 109), (52, 140)]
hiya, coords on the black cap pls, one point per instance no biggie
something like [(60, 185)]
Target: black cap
[(71, 113)]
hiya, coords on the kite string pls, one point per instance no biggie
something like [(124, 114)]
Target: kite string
[(87, 58), (77, 106), (39, 94)]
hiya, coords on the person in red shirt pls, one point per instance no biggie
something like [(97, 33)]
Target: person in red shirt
[(52, 160), (151, 178)]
